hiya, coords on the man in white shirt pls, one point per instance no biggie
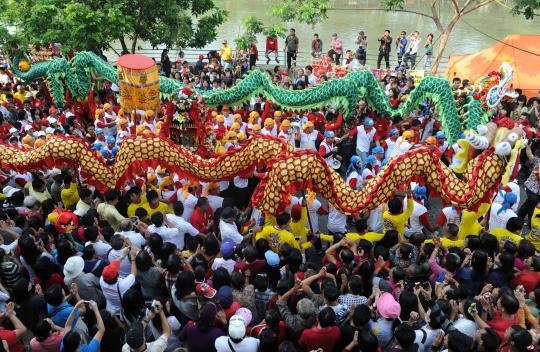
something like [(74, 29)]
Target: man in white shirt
[(337, 221), (163, 228), (227, 226), (227, 253), (93, 239), (120, 248), (412, 50), (181, 225), (500, 213), (188, 198), (135, 337), (114, 286), (214, 199), (365, 135), (135, 238), (237, 340)]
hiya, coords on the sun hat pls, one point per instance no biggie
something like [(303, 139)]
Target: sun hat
[(74, 267)]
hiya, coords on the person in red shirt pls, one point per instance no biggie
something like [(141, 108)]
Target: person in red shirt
[(202, 218), (271, 47), (13, 337), (253, 55), (504, 317), (324, 336), (529, 277)]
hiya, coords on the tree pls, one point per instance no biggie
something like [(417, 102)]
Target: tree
[(253, 26), (96, 24), (315, 11)]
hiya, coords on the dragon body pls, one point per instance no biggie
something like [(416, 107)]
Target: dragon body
[(342, 92), (288, 169)]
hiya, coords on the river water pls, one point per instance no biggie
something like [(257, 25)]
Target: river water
[(348, 19)]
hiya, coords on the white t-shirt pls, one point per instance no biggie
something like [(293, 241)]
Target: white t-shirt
[(374, 221), (167, 234), (111, 292), (228, 230), (499, 220), (401, 148), (101, 248), (390, 145), (363, 139), (313, 216), (414, 220), (125, 265), (189, 202), (515, 189), (248, 344), (307, 140), (337, 221), (354, 176), (215, 202), (183, 227), (426, 336), (223, 263), (135, 238), (452, 216), (158, 345)]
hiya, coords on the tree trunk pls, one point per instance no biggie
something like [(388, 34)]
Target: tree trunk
[(134, 45), (443, 41), (124, 45)]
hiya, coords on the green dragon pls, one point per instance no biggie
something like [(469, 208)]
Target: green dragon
[(342, 93)]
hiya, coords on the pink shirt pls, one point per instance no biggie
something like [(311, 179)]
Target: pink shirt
[(337, 45)]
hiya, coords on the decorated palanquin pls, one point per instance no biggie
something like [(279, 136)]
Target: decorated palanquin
[(325, 67), (138, 80)]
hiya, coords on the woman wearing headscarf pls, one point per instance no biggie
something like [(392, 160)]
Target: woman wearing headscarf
[(419, 219), (352, 176)]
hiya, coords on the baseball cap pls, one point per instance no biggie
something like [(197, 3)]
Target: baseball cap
[(245, 314), (205, 290), (237, 327), (271, 258), (135, 335), (227, 248), (9, 191), (388, 307), (110, 272), (225, 296), (383, 285)]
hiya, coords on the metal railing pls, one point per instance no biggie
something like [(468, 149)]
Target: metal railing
[(303, 58)]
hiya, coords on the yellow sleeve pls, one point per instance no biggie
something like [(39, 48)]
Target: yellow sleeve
[(483, 209), (262, 234), (449, 243), (270, 220), (165, 208), (303, 217), (289, 238), (353, 236), (373, 236), (535, 222), (410, 207), (327, 238), (428, 241), (69, 195)]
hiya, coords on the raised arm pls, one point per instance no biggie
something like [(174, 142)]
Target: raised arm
[(101, 326)]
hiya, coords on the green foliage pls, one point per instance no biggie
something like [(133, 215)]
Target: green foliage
[(526, 7), (253, 24), (277, 30), (88, 25), (310, 12), (392, 4)]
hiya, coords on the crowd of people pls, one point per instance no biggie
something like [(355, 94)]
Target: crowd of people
[(172, 264), (408, 49)]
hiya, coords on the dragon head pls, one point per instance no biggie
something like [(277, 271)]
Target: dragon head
[(506, 142)]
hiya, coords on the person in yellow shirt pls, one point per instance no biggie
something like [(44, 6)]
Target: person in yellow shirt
[(278, 235), (394, 218), (450, 238), (154, 205), (70, 194), (108, 210), (136, 200), (226, 55), (469, 221), (534, 235), (511, 232), (299, 219), (21, 93)]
